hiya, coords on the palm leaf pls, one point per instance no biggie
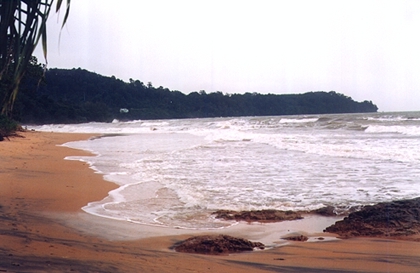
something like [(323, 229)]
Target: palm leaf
[(23, 25)]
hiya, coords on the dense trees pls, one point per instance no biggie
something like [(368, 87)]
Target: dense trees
[(77, 95)]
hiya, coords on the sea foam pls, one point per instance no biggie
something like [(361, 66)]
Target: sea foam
[(176, 172)]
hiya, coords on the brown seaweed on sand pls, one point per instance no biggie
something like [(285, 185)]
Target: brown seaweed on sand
[(216, 245), (258, 215), (297, 238)]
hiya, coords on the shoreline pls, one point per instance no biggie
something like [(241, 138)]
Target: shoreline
[(269, 234), (44, 228)]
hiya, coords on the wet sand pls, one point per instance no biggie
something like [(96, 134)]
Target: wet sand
[(43, 229)]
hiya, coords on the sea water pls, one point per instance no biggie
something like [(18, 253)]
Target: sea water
[(175, 173)]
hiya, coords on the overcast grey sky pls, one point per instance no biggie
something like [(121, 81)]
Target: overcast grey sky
[(369, 50)]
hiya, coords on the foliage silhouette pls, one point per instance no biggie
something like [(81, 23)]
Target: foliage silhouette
[(22, 26), (77, 95)]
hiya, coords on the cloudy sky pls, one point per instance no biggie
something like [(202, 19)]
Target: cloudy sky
[(368, 50)]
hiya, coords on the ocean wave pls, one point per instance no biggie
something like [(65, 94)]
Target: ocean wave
[(172, 175), (298, 120), (397, 129), (393, 118)]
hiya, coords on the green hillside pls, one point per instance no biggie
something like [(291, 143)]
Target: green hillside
[(77, 95)]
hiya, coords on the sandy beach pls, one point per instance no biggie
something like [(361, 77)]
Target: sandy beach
[(43, 229)]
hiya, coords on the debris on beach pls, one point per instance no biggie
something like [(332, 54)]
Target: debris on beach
[(217, 245), (397, 219), (258, 215)]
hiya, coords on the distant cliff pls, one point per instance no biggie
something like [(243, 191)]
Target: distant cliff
[(77, 95)]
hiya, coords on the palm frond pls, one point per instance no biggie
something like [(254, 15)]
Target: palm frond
[(22, 26)]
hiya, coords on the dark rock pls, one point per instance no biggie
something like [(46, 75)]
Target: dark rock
[(216, 245), (258, 215), (325, 211), (299, 238), (334, 211), (390, 219)]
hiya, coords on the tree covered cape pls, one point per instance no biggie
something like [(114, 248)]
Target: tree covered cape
[(77, 95)]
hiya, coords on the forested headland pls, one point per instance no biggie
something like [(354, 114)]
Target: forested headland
[(77, 95)]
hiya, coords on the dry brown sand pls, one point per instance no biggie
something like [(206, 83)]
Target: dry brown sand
[(43, 229)]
